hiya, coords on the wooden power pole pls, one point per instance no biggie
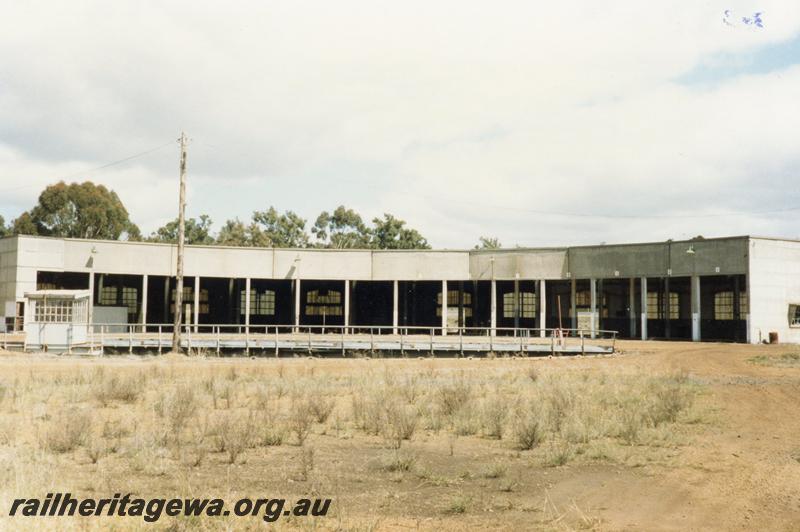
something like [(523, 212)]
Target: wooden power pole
[(176, 330)]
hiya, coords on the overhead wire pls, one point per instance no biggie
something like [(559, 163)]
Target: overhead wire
[(94, 169), (565, 214)]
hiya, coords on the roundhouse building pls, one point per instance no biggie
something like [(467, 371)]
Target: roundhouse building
[(730, 289)]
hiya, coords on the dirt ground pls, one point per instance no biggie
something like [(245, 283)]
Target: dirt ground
[(731, 462)]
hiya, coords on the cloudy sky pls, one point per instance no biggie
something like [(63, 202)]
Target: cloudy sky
[(541, 124)]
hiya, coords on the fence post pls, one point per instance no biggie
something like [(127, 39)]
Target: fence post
[(552, 343), (461, 341), (431, 341), (402, 350), (342, 341), (189, 336), (159, 339), (102, 339), (309, 340), (218, 340), (521, 337), (372, 341), (276, 341), (583, 348)]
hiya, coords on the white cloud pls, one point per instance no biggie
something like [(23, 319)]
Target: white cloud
[(461, 117)]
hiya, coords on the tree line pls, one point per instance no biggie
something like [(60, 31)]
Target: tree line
[(87, 210)]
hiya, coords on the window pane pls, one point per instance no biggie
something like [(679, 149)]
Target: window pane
[(320, 303), (794, 315), (723, 306), (108, 295)]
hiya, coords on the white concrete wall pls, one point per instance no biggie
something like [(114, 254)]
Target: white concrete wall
[(110, 257), (527, 264), (774, 283), (322, 264), (420, 265), (773, 266), (8, 278), (721, 256), (232, 262), (36, 254)]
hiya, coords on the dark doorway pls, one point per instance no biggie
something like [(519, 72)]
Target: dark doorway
[(113, 290), (723, 308), (614, 306), (669, 308), (371, 304), (220, 299), (161, 293), (418, 304), (62, 280), (517, 305), (271, 302), (321, 302), (559, 310), (481, 292)]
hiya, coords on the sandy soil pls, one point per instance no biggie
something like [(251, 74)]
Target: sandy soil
[(736, 469)]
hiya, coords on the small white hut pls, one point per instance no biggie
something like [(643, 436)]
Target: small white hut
[(57, 319)]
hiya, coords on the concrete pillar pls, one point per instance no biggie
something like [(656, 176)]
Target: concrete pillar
[(593, 310), (750, 335), (297, 305), (346, 305), (247, 301), (695, 291), (475, 303), (91, 297), (196, 303), (737, 306), (632, 306), (573, 305), (516, 302), (667, 314), (542, 308), (644, 307), (231, 316), (461, 320), (144, 300), (493, 311), (395, 306), (444, 308)]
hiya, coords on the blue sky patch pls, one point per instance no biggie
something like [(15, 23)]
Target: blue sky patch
[(720, 67)]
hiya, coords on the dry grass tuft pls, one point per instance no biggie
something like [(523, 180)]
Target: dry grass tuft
[(176, 405), (301, 418), (109, 388), (67, 431), (473, 425), (399, 461), (528, 427)]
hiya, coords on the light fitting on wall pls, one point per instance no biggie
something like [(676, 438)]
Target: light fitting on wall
[(690, 251)]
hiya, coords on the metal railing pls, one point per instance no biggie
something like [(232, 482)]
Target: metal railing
[(345, 337)]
